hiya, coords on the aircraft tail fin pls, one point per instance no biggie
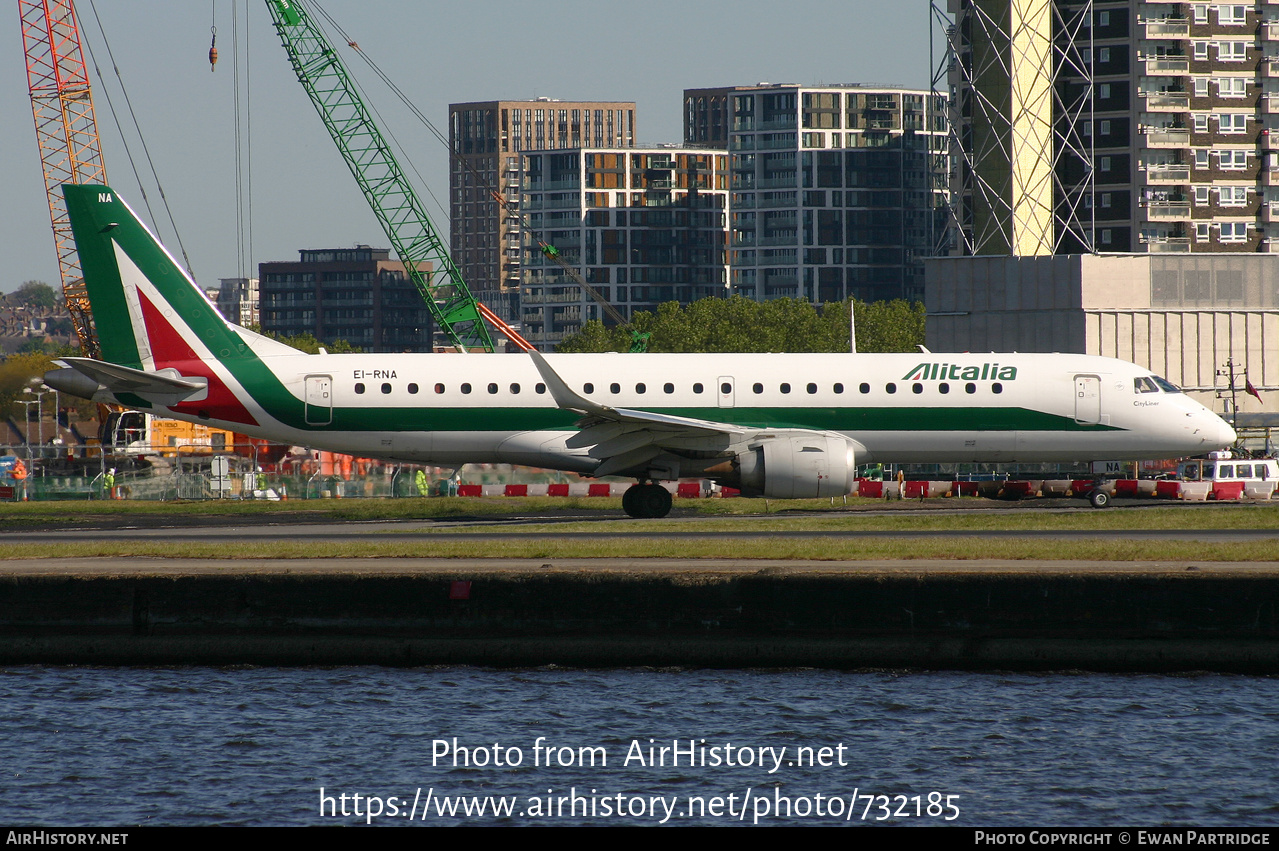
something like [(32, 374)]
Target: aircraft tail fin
[(150, 315)]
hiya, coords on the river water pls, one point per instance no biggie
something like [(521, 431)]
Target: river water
[(296, 746)]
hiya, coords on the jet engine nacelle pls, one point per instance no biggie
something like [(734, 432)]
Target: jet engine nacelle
[(798, 465)]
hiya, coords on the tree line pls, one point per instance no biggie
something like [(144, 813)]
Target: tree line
[(740, 324)]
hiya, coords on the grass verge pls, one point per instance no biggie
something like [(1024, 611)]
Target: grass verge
[(815, 548)]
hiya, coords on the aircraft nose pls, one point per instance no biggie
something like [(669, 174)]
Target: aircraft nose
[(1226, 434)]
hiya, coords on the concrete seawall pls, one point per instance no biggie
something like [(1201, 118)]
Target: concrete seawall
[(935, 614)]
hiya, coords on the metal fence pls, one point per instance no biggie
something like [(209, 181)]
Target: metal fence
[(246, 472), (195, 472)]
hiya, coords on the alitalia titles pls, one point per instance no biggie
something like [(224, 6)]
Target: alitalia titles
[(958, 372)]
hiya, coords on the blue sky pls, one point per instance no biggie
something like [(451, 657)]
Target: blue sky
[(438, 53)]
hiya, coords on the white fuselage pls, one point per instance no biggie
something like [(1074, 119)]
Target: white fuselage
[(456, 409)]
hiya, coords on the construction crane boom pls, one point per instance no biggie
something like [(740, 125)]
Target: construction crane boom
[(380, 178), (67, 134)]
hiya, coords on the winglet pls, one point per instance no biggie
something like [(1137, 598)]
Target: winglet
[(566, 399), (563, 394)]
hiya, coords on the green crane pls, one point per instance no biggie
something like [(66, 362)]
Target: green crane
[(387, 190)]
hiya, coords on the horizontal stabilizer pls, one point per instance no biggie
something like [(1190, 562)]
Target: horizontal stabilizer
[(123, 379)]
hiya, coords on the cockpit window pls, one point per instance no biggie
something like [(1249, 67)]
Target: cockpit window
[(1145, 384), (1153, 384)]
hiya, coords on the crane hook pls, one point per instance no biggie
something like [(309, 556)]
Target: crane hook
[(213, 50)]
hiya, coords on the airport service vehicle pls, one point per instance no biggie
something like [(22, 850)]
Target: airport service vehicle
[(771, 425), (1224, 467)]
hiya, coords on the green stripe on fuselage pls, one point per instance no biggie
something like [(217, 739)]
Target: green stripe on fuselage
[(821, 419)]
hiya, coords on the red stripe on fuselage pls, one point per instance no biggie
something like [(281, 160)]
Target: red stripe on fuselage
[(170, 350)]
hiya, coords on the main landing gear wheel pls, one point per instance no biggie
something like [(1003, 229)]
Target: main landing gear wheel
[(1099, 499), (647, 501)]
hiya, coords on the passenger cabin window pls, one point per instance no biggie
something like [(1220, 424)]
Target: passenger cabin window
[(492, 388), (640, 388), (412, 389), (615, 388), (917, 388), (386, 388), (757, 387), (996, 388), (943, 388), (466, 388), (812, 388), (515, 388), (863, 388), (839, 388), (439, 388), (890, 388), (539, 388), (785, 388), (588, 387), (359, 387), (668, 388), (697, 388), (970, 388)]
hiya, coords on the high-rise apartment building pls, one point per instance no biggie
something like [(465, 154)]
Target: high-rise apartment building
[(642, 226), (237, 300), (836, 190), (355, 294), (486, 140), (1115, 126)]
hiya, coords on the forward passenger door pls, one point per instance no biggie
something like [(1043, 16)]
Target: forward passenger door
[(1087, 399)]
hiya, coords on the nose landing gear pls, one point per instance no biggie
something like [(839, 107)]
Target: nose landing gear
[(646, 500)]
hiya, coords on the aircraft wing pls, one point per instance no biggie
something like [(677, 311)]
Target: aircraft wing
[(624, 438)]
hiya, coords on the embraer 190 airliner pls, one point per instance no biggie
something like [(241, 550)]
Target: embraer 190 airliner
[(772, 425)]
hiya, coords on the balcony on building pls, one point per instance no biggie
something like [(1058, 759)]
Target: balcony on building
[(1167, 137), (1167, 64), (1168, 211), (1168, 101), (1166, 244), (1166, 28), (1165, 173)]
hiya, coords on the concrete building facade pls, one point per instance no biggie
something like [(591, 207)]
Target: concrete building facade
[(355, 294), (642, 226), (486, 139), (1182, 316), (836, 190)]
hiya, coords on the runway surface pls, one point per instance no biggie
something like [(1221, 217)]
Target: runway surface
[(612, 526)]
